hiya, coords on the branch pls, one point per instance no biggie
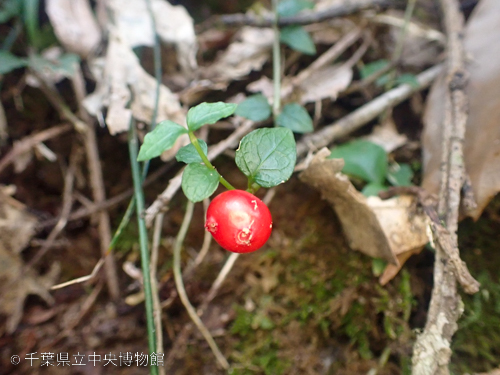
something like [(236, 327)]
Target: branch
[(365, 113), (431, 354), (303, 18)]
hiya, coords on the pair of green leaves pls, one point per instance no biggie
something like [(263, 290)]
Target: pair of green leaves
[(293, 116), (166, 133), (296, 37), (368, 161), (266, 156)]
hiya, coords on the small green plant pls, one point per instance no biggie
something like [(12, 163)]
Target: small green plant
[(368, 161), (266, 156)]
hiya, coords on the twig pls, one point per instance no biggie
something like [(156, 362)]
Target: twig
[(330, 55), (67, 199), (175, 183), (440, 233), (86, 306), (182, 291), (30, 141), (109, 203), (365, 113), (360, 85), (305, 18), (97, 186), (82, 279), (431, 353)]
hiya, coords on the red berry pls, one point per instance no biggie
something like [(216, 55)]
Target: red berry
[(239, 221)]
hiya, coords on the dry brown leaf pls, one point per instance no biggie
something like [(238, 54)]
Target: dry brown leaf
[(386, 135), (173, 24), (74, 25), (123, 80), (250, 50), (16, 225), (380, 229), (326, 82), (422, 44), (482, 138), (16, 283), (124, 87)]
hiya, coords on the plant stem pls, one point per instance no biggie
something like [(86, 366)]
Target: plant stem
[(205, 160), (143, 241), (182, 291), (398, 50), (276, 63)]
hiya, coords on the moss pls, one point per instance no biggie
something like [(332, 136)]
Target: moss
[(476, 345)]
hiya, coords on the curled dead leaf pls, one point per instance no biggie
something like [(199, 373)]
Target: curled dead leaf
[(74, 25), (482, 137), (378, 228)]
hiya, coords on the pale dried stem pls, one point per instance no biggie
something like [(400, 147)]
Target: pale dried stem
[(153, 266), (330, 55), (98, 190), (31, 141), (96, 180), (182, 291), (181, 339)]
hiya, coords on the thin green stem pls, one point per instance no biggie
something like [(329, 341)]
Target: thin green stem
[(143, 241), (158, 74), (123, 223), (182, 291), (398, 50), (205, 160), (276, 63)]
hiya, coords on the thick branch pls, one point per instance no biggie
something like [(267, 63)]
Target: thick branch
[(432, 350)]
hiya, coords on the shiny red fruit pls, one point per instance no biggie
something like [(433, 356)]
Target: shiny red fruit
[(239, 221)]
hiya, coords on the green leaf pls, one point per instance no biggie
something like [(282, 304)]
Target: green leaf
[(297, 38), (287, 8), (378, 266), (208, 113), (372, 68), (188, 153), (267, 156), (160, 139), (9, 9), (363, 159), (255, 108), (400, 175), (407, 78), (199, 181), (9, 62), (64, 65), (295, 118), (372, 189)]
